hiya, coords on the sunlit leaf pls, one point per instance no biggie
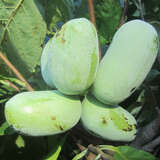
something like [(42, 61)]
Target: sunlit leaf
[(54, 154), (3, 127), (80, 155), (22, 34), (20, 142)]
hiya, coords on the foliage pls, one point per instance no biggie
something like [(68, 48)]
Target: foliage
[(22, 34), (25, 26)]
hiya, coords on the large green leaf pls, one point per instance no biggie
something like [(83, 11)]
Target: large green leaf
[(128, 153), (57, 11), (108, 14), (22, 33)]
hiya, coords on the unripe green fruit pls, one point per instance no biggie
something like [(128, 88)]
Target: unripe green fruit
[(108, 122), (72, 57), (44, 65), (41, 113), (127, 62)]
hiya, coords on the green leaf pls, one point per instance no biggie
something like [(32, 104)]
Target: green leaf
[(3, 127), (80, 155), (82, 10), (22, 34), (54, 154), (20, 142), (108, 14), (57, 11), (128, 153)]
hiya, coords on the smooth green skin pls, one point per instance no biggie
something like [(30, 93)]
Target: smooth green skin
[(72, 57), (44, 65), (127, 62), (108, 122), (41, 113)]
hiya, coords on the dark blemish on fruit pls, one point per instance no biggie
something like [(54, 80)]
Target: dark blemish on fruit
[(63, 40), (53, 118), (133, 89), (129, 128), (59, 127), (104, 120), (124, 117)]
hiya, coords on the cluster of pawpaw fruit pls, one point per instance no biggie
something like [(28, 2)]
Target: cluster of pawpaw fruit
[(70, 62)]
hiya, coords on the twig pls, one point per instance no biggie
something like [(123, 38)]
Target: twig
[(91, 12), (152, 145), (13, 85), (93, 20), (97, 151), (147, 133), (16, 72), (140, 10), (123, 13), (90, 156), (10, 19)]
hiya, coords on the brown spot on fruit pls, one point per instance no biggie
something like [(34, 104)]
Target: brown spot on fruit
[(129, 128), (104, 120), (59, 127), (53, 118), (63, 40)]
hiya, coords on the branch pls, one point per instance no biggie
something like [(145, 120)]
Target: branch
[(10, 19), (97, 151), (123, 13), (93, 20), (152, 145), (13, 85), (140, 10), (147, 133), (91, 12), (16, 72)]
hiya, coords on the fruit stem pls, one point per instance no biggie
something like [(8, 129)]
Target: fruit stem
[(140, 10), (123, 13), (91, 12), (93, 20), (16, 72)]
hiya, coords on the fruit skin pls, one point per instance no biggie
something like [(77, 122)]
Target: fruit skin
[(72, 57), (44, 65), (41, 113), (127, 62), (107, 122)]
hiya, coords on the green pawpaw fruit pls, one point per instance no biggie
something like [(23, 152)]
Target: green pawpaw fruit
[(72, 57), (108, 122), (127, 62), (41, 113)]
